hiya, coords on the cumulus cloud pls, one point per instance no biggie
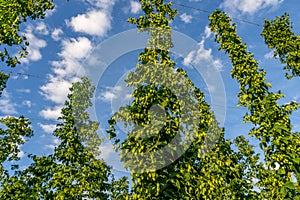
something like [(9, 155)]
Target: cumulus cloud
[(199, 55), (202, 55), (107, 150), (27, 103), (48, 128), (41, 28), (110, 94), (66, 70), (113, 93), (50, 12), (94, 22), (21, 154), (248, 6), (56, 34), (186, 18), (189, 58), (6, 105), (51, 113), (75, 48), (135, 7), (56, 90), (207, 32), (55, 142), (111, 157), (35, 46), (269, 55)]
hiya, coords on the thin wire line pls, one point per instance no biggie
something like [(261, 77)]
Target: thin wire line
[(38, 77), (102, 87), (30, 75), (209, 12), (191, 7)]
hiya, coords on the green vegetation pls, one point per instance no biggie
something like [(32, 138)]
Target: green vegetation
[(174, 147), (12, 15)]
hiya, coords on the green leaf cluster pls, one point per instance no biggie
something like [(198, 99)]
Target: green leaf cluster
[(272, 124), (173, 146), (200, 164), (11, 137), (278, 35), (73, 171), (12, 14)]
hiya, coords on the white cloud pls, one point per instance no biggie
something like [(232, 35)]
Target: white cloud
[(41, 28), (94, 22), (269, 55), (102, 4), (111, 157), (56, 34), (248, 6), (207, 32), (50, 12), (135, 7), (186, 18), (6, 106), (27, 103), (189, 58), (50, 146), (108, 96), (202, 55), (277, 166), (75, 48), (21, 154), (24, 90), (107, 150), (51, 113), (218, 65), (18, 76), (55, 143), (34, 47), (48, 128), (56, 90), (113, 93), (35, 44), (66, 70)]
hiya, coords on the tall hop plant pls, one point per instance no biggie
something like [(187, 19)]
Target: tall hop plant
[(173, 148)]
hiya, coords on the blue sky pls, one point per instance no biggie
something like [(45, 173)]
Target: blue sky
[(93, 38)]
